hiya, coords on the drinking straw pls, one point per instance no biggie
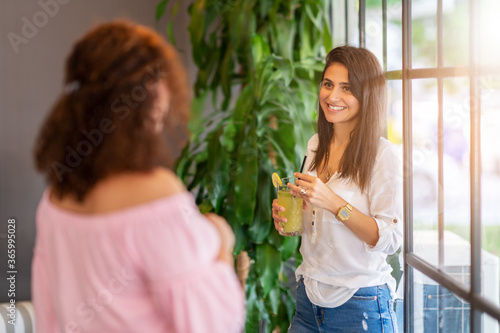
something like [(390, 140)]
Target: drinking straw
[(303, 163)]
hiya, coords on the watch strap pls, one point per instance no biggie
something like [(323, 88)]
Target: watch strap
[(344, 212)]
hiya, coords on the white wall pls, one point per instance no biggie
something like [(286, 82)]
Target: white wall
[(31, 75)]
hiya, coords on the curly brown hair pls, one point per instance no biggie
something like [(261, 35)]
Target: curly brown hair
[(101, 125)]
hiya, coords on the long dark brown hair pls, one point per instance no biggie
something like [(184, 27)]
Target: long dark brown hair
[(367, 83), (103, 123)]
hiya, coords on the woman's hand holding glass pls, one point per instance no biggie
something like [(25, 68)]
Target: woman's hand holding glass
[(277, 218), (312, 190), (288, 209)]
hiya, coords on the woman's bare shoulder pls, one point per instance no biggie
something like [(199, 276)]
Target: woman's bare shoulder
[(125, 190)]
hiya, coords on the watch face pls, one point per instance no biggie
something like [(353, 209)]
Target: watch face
[(344, 213)]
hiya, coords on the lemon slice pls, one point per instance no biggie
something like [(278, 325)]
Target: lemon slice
[(276, 180)]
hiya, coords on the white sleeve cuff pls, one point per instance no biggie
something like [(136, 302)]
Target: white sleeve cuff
[(390, 236)]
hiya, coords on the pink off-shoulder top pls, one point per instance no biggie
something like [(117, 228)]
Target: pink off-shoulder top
[(147, 268)]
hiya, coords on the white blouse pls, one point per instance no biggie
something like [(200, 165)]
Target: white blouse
[(336, 263)]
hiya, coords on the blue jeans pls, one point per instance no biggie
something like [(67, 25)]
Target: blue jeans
[(371, 310)]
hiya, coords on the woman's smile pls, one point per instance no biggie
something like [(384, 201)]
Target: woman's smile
[(336, 108)]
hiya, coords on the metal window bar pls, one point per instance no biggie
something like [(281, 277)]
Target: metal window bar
[(361, 22), (407, 166), (440, 206), (330, 19), (384, 34), (476, 301), (346, 20), (440, 203), (475, 164), (384, 48)]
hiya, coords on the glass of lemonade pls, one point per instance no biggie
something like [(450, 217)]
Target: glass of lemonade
[(293, 209)]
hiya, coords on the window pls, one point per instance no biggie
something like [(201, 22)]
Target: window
[(442, 64)]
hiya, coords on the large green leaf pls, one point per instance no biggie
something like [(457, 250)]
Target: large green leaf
[(245, 182), (196, 30), (284, 30), (393, 260), (199, 176), (315, 15), (275, 299), (327, 37), (286, 305), (196, 121), (241, 26), (289, 247), (228, 211), (217, 179), (260, 49), (268, 267), (283, 141), (305, 50), (225, 75), (285, 68), (275, 239), (261, 225), (160, 9), (209, 66), (176, 7), (228, 136), (252, 307), (265, 7), (265, 70), (170, 33), (290, 304), (244, 104)]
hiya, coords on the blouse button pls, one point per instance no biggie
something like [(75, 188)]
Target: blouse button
[(395, 220)]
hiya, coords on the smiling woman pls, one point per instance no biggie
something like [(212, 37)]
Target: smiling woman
[(352, 78), (352, 191)]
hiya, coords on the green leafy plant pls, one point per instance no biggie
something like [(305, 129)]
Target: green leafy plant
[(259, 64)]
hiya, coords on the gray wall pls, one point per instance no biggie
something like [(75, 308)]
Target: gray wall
[(30, 81)]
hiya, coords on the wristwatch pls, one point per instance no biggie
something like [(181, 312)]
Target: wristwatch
[(344, 213)]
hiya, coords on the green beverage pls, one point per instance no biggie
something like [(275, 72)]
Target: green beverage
[(293, 210)]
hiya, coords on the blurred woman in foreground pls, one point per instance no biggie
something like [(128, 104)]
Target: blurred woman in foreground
[(121, 245)]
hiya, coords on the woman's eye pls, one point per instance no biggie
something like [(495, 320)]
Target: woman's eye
[(347, 88), (328, 85)]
